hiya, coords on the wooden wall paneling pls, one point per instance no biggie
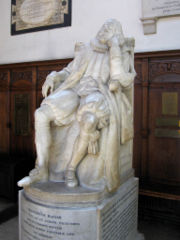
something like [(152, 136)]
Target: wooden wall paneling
[(34, 106), (22, 107), (160, 185), (145, 131), (155, 159), (137, 146), (164, 152), (4, 110), (164, 95), (162, 208)]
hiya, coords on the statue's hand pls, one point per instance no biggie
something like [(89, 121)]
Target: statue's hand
[(48, 85), (114, 41), (114, 85)]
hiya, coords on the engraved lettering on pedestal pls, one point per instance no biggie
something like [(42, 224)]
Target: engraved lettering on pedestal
[(118, 223), (46, 223)]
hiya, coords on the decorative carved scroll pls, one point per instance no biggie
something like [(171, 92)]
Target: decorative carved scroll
[(157, 69), (3, 79), (19, 75)]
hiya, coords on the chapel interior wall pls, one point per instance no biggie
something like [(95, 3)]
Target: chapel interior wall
[(87, 17)]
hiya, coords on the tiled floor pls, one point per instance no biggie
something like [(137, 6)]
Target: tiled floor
[(4, 204), (8, 210), (151, 230), (159, 231), (9, 229)]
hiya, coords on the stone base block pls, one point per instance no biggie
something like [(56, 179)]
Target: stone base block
[(113, 217)]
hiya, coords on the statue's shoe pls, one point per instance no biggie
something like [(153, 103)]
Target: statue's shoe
[(35, 175), (26, 181), (70, 179)]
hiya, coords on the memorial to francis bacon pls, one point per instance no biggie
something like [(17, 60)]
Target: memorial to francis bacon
[(83, 186)]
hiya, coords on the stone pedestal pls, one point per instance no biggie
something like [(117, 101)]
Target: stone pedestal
[(50, 211)]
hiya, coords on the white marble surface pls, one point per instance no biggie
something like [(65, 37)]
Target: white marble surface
[(114, 217), (84, 126), (151, 230)]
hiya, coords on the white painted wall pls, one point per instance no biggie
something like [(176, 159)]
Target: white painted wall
[(87, 17)]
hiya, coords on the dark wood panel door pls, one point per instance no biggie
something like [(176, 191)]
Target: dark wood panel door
[(164, 137), (22, 107), (4, 111), (164, 122), (138, 106), (21, 137), (5, 124)]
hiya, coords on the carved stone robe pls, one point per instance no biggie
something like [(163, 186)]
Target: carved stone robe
[(91, 71)]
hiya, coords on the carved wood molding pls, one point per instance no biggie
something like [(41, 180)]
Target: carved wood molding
[(3, 79), (21, 75), (57, 62), (162, 68)]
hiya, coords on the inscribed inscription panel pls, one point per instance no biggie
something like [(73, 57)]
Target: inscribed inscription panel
[(160, 8), (154, 9), (36, 15), (170, 103), (43, 222)]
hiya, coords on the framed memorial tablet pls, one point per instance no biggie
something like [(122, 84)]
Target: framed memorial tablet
[(152, 10), (37, 15)]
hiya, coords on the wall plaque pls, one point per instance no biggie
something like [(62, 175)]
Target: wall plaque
[(154, 9), (170, 103), (167, 122), (167, 133), (37, 15)]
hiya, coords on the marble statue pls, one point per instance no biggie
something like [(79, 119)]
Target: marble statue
[(84, 126)]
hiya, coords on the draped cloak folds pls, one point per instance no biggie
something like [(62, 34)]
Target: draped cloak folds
[(104, 169)]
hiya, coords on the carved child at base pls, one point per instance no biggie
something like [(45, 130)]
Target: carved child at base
[(90, 108)]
